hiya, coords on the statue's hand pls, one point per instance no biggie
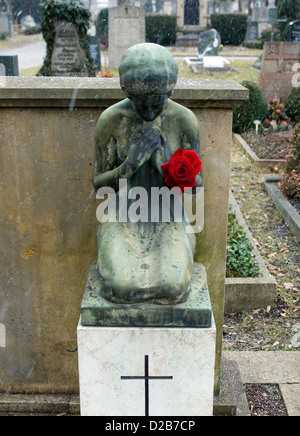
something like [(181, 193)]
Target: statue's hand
[(143, 144)]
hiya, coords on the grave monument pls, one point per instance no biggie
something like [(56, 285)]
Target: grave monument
[(279, 64), (64, 27), (6, 21), (126, 28), (146, 319), (9, 66)]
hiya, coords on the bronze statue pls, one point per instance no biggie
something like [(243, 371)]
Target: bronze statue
[(149, 141)]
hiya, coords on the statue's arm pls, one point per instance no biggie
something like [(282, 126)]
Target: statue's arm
[(143, 142), (106, 171)]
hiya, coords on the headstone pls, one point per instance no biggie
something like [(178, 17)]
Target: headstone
[(6, 21), (209, 43), (277, 70), (68, 58), (9, 66), (295, 30), (65, 27), (95, 52), (126, 28)]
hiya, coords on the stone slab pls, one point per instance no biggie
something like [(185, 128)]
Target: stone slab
[(102, 92), (291, 397), (267, 366), (249, 293), (10, 66), (231, 400), (114, 361), (196, 311), (284, 207)]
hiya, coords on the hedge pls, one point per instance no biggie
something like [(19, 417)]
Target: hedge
[(250, 110), (231, 27), (161, 29)]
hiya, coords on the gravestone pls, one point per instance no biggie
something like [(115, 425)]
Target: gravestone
[(277, 70), (64, 26), (9, 66), (126, 28), (295, 31), (68, 58), (5, 18), (209, 43), (95, 52)]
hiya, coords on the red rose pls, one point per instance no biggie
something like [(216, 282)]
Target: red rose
[(182, 168)]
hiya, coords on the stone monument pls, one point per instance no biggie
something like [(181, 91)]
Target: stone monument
[(6, 22), (209, 43), (146, 303), (64, 27), (277, 69), (126, 28), (9, 66), (68, 58)]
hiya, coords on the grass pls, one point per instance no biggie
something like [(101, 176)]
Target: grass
[(242, 71)]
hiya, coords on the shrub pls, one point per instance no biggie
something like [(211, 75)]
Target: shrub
[(240, 261), (250, 110), (290, 184), (231, 27), (101, 24), (292, 105), (161, 29), (2, 36)]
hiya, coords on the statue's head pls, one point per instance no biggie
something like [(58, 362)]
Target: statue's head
[(148, 75)]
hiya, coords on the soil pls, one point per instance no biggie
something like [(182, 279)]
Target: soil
[(273, 145), (267, 328), (265, 400), (295, 202)]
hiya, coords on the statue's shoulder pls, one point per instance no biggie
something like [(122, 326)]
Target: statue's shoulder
[(117, 110), (184, 116), (112, 116)]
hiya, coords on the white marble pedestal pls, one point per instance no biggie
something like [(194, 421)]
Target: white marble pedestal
[(146, 371)]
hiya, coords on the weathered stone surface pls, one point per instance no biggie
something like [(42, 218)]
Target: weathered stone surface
[(68, 58), (102, 93), (130, 22), (194, 312), (209, 43)]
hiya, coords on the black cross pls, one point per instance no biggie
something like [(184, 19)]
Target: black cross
[(146, 377)]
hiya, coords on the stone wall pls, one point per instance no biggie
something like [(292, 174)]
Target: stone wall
[(275, 79), (48, 215)]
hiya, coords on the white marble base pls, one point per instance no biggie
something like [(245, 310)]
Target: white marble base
[(185, 356)]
